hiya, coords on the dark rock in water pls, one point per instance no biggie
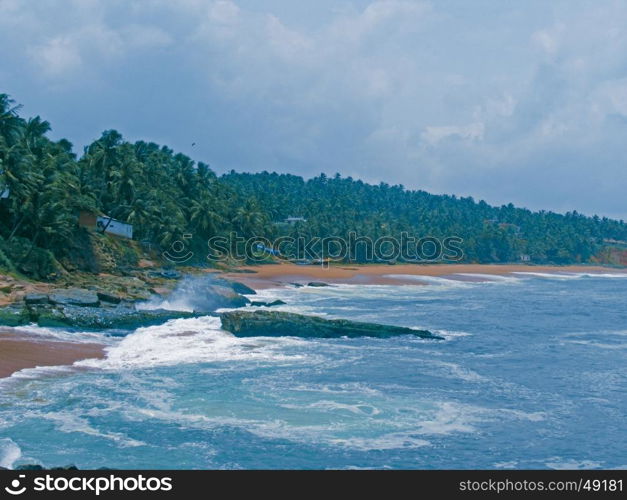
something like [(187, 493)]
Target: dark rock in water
[(259, 303), (41, 467), (317, 283), (277, 302), (36, 298), (241, 288), (261, 323), (75, 297), (297, 285), (108, 297)]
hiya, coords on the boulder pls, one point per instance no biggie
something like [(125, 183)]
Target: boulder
[(165, 273), (222, 296), (262, 323), (260, 303), (36, 298), (317, 283), (109, 297), (75, 297), (241, 288)]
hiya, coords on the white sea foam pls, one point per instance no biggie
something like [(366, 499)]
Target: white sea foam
[(490, 277), (192, 340), (600, 345), (69, 422), (58, 334), (450, 418), (34, 374), (335, 406), (513, 464), (560, 463), (10, 453), (430, 280), (391, 441), (556, 276), (570, 275), (453, 370), (447, 334)]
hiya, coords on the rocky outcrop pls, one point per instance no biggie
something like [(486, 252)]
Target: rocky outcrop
[(81, 308), (75, 297), (123, 316), (261, 323), (317, 284), (96, 307)]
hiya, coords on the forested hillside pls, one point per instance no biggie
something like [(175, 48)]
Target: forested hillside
[(166, 195)]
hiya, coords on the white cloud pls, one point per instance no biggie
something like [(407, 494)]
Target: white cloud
[(471, 132), (431, 94), (57, 56)]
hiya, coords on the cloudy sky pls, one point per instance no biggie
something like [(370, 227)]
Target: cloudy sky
[(504, 101)]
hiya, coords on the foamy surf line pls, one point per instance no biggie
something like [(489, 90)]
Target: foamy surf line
[(190, 341), (489, 277), (429, 280), (570, 275)]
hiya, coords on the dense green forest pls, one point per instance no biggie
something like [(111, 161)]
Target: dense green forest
[(166, 195)]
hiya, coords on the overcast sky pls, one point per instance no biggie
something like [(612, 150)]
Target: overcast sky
[(505, 101)]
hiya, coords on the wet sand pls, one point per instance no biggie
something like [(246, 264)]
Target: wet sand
[(271, 276), (20, 350)]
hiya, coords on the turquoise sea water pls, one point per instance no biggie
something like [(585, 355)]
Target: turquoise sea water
[(532, 374)]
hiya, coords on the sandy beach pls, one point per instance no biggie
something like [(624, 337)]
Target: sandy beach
[(20, 350), (270, 276)]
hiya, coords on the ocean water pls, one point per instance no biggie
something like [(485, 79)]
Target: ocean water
[(532, 374)]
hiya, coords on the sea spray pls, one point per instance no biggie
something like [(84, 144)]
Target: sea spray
[(198, 294), (9, 453)]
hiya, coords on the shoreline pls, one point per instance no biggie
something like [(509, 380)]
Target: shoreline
[(20, 350), (279, 275)]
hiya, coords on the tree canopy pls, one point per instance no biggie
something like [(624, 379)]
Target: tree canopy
[(166, 195)]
